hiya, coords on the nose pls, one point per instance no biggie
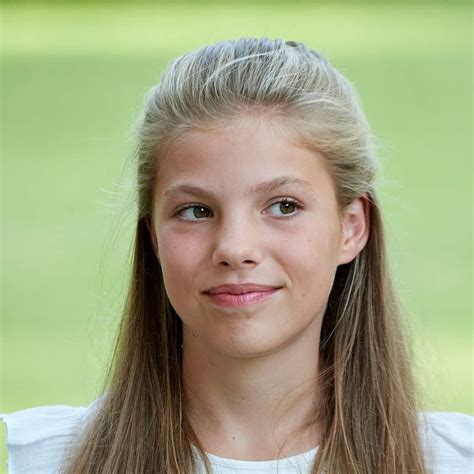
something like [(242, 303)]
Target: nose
[(237, 244)]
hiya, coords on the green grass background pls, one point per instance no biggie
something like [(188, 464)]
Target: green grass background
[(73, 78)]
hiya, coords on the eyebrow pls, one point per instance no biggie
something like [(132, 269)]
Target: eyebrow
[(266, 186)]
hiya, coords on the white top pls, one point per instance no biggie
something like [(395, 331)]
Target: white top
[(37, 437)]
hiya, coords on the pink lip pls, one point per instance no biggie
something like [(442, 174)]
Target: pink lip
[(239, 289), (243, 299)]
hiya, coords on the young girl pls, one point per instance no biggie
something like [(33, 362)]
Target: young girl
[(261, 332)]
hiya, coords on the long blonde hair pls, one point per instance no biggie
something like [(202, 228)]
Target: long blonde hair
[(369, 411)]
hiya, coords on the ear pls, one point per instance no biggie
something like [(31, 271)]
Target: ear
[(152, 233), (356, 224)]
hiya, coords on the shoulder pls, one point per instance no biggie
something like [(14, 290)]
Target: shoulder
[(448, 440), (37, 437)]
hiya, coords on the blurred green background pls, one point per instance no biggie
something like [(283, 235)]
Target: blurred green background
[(73, 78)]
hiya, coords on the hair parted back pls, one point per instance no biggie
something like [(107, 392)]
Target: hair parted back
[(369, 410)]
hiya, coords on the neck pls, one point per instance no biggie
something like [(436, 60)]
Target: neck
[(253, 408)]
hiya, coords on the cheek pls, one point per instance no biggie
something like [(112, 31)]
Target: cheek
[(310, 256), (179, 257)]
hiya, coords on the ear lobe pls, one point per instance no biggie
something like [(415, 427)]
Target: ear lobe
[(356, 227), (152, 234)]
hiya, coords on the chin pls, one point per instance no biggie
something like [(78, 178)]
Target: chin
[(249, 347)]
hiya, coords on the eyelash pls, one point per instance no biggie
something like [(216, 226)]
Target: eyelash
[(297, 204)]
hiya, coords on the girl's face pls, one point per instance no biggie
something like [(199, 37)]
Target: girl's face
[(246, 205)]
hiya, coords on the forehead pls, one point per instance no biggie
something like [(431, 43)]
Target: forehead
[(238, 158)]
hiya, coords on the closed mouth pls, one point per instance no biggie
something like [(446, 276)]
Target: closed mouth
[(240, 289), (241, 299)]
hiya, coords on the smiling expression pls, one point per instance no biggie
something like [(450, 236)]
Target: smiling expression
[(246, 204)]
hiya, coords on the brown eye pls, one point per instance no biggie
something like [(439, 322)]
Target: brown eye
[(200, 212), (285, 207), (194, 213)]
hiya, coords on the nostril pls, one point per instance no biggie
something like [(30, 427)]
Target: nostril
[(226, 263), (233, 255)]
